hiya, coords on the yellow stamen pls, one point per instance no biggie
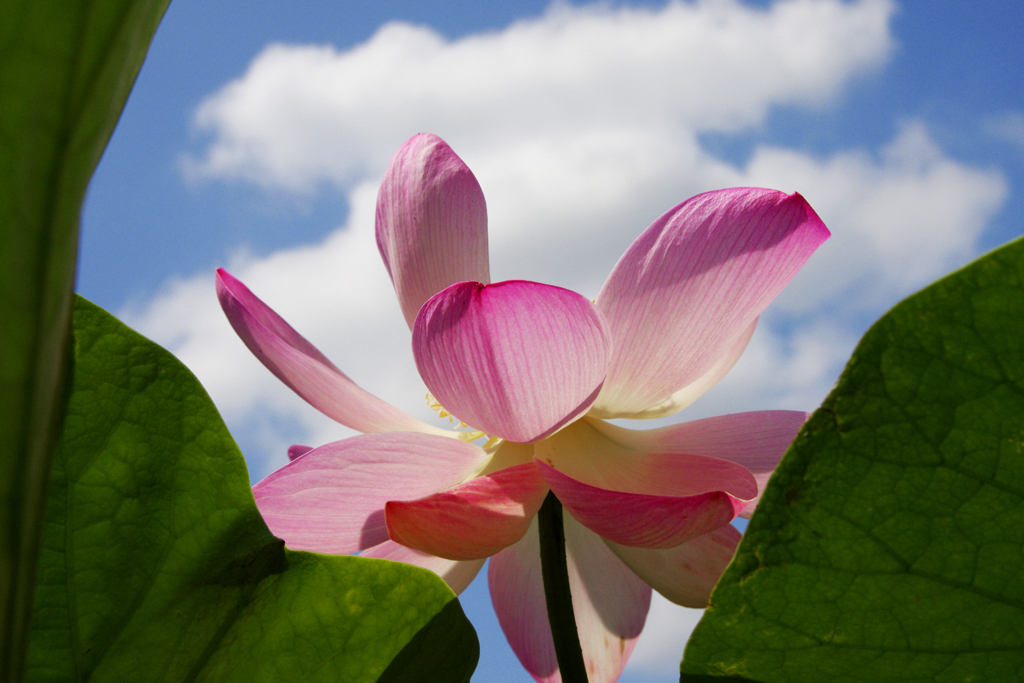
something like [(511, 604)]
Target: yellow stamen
[(469, 436), (436, 406)]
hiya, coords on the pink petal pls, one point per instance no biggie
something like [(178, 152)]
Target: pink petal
[(755, 440), (517, 592), (636, 519), (690, 286), (305, 370), (431, 222), (695, 389), (610, 603), (515, 359), (458, 575), (331, 500), (472, 520), (686, 574)]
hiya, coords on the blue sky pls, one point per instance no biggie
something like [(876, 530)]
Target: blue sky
[(902, 124)]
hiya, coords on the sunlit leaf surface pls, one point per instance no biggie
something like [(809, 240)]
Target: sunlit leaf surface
[(66, 68), (889, 546), (156, 565)]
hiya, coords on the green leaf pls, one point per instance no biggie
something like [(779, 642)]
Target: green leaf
[(66, 67), (156, 565), (889, 545)]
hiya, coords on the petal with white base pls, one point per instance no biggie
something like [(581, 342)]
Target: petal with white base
[(688, 289), (755, 440), (686, 574)]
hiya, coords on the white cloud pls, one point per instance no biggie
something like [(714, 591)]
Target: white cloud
[(306, 114), (336, 293), (898, 220), (582, 127)]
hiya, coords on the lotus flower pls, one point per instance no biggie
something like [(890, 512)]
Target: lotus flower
[(535, 371)]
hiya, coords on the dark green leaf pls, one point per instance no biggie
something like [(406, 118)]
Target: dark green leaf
[(707, 678), (66, 67), (439, 651), (156, 565), (889, 546)]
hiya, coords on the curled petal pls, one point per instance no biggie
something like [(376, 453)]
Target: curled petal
[(639, 520), (755, 440), (472, 520), (458, 575), (331, 500), (691, 285), (609, 601), (431, 222), (515, 359), (305, 370), (686, 574)]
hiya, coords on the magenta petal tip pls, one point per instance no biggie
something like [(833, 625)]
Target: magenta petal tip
[(689, 288)]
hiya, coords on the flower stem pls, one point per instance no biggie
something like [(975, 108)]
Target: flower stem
[(556, 592)]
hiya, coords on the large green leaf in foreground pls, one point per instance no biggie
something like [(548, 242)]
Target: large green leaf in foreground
[(889, 546), (156, 565), (66, 67)]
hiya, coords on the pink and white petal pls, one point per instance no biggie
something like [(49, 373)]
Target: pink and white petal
[(691, 285), (431, 222), (458, 575), (331, 500), (517, 593), (582, 451), (305, 370), (639, 520), (755, 440), (610, 603), (473, 520), (694, 390), (515, 359), (686, 574)]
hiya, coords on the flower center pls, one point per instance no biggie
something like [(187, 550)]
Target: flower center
[(470, 435)]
